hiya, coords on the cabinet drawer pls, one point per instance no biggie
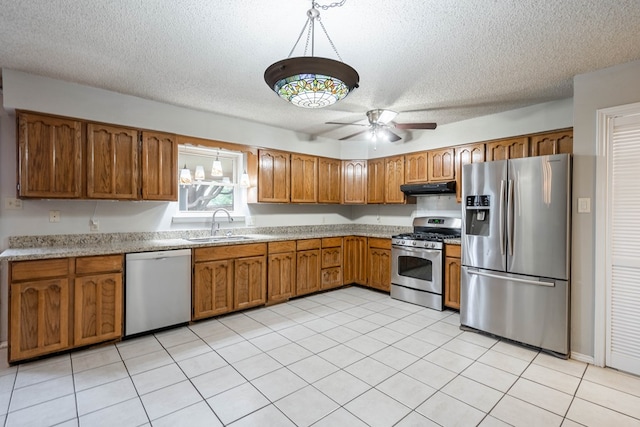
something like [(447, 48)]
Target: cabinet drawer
[(331, 278), (98, 264), (331, 257), (375, 242), (452, 251), (280, 247), (40, 269), (304, 245), (227, 252), (328, 242)]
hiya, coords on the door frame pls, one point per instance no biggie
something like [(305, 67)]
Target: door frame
[(602, 271)]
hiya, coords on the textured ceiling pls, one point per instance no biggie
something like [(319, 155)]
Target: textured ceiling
[(431, 60)]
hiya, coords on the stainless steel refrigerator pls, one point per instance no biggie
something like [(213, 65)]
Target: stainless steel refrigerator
[(515, 257)]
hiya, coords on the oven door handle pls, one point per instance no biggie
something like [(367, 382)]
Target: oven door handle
[(411, 250)]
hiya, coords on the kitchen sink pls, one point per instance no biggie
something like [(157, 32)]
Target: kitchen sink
[(211, 239)]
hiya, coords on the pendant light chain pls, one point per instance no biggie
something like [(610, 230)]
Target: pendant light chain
[(314, 15)]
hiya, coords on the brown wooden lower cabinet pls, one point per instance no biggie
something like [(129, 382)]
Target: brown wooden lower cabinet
[(354, 267), (379, 261), (452, 276), (58, 304), (98, 300), (212, 288), (281, 270), (308, 266), (331, 274), (228, 278)]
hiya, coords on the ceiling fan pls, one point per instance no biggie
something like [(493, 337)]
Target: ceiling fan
[(380, 125)]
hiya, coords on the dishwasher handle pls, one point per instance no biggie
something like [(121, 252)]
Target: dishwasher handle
[(157, 255)]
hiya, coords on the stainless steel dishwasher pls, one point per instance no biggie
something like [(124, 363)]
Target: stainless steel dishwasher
[(157, 290)]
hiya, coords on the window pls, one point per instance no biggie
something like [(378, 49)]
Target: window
[(209, 179)]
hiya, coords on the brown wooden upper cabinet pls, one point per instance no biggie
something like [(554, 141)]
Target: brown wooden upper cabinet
[(354, 181), (112, 162), (465, 154), (50, 157), (273, 176), (504, 149), (415, 166), (375, 181), (73, 159), (393, 179), (552, 143), (441, 165), (159, 166), (304, 178), (329, 180)]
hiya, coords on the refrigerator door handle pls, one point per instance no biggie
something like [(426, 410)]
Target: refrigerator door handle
[(510, 209), (501, 217), (512, 279)]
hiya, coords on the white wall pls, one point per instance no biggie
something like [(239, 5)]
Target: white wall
[(609, 87)]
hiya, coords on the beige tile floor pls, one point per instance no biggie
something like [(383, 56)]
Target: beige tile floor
[(350, 357)]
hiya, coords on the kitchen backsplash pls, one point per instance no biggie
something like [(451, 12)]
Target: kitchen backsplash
[(444, 205)]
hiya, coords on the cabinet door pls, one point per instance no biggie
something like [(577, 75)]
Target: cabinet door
[(514, 148), (112, 162), (273, 176), (473, 153), (50, 157), (39, 318), (282, 276), (304, 178), (354, 181), (212, 288), (375, 181), (307, 271), (394, 178), (329, 180), (98, 308), (354, 267), (159, 166), (552, 143), (250, 282), (452, 282), (416, 167), (441, 165), (379, 268)]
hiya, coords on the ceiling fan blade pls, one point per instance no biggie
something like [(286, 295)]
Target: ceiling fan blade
[(344, 124), (415, 125), (390, 136), (355, 134)]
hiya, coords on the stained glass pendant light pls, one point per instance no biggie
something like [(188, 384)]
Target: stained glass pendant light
[(310, 81)]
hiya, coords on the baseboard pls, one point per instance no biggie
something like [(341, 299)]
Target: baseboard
[(582, 358)]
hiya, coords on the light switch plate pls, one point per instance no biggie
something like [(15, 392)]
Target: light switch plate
[(584, 205), (54, 216)]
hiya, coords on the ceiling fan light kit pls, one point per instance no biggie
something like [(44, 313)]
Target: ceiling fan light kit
[(309, 81)]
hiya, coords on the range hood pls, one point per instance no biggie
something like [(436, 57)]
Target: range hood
[(448, 187)]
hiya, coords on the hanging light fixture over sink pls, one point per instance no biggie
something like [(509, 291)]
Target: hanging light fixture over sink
[(311, 81)]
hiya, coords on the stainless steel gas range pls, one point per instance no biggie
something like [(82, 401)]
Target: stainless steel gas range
[(417, 261)]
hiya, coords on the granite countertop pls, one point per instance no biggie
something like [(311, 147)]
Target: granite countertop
[(62, 246), (453, 241)]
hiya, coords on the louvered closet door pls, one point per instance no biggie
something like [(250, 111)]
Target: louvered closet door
[(623, 300)]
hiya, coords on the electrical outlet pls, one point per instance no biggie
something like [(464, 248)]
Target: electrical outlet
[(54, 216), (94, 225), (11, 203), (248, 220)]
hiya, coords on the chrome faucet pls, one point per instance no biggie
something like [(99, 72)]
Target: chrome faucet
[(215, 226)]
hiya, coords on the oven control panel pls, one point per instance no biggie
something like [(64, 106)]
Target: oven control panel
[(423, 244)]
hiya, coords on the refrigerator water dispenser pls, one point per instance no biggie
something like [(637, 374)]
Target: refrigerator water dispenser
[(478, 214)]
